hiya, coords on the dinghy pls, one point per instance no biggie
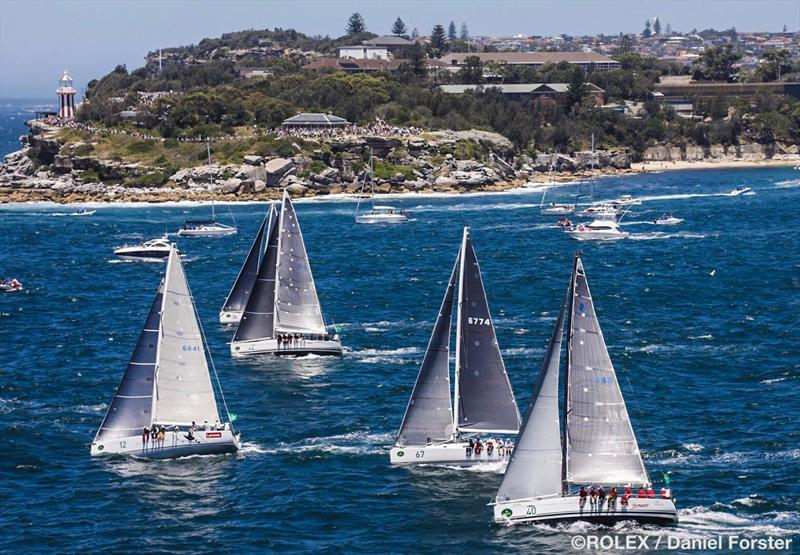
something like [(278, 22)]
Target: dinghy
[(231, 312), (598, 447), (431, 431), (283, 316), (167, 388)]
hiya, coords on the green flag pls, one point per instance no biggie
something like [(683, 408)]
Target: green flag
[(233, 417), (337, 329), (667, 479)]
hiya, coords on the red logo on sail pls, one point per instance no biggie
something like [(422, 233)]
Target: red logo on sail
[(213, 434)]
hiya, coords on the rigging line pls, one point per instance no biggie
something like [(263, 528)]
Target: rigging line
[(210, 358)]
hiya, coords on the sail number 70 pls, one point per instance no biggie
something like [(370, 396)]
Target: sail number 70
[(479, 321)]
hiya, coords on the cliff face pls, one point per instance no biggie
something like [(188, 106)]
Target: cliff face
[(752, 152)]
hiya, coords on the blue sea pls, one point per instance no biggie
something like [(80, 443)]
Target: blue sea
[(701, 321)]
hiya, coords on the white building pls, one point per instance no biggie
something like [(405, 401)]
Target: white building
[(364, 52)]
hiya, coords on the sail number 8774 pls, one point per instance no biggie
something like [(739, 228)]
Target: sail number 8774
[(479, 321)]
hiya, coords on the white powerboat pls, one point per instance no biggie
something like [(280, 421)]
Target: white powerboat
[(598, 445), (598, 230), (167, 387), (667, 219), (12, 285), (154, 249), (282, 315), (83, 212), (600, 211), (740, 190), (554, 209), (626, 200), (482, 400), (383, 215)]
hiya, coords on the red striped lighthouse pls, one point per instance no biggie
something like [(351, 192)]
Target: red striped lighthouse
[(66, 97)]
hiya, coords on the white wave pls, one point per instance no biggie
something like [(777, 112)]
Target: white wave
[(356, 443), (749, 501), (695, 337), (251, 447), (522, 351), (787, 183), (385, 352), (693, 447), (773, 380), (494, 467), (660, 235)]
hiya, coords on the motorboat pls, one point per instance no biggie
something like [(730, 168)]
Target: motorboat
[(588, 440), (83, 212), (168, 387), (667, 219), (154, 249), (564, 223), (740, 190), (555, 209), (598, 230), (12, 285), (626, 200), (433, 428), (382, 215), (600, 211)]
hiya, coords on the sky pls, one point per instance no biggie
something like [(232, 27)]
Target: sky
[(39, 39)]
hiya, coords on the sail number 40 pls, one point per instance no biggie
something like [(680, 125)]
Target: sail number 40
[(479, 321)]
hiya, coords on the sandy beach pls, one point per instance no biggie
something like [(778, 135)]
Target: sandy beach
[(708, 164)]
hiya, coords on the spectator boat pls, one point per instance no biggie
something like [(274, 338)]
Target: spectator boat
[(626, 200), (12, 285), (598, 230), (667, 219), (154, 249), (282, 315), (433, 428), (598, 445), (83, 212), (167, 386), (206, 228), (600, 211), (740, 190), (378, 214)]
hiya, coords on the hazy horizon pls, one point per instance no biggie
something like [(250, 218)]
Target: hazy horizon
[(38, 40)]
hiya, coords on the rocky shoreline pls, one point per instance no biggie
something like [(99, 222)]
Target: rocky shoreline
[(450, 162)]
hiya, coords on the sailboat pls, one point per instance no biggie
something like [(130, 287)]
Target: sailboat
[(598, 446), (167, 386), (378, 214), (233, 307), (554, 209), (432, 432), (206, 228), (283, 316)]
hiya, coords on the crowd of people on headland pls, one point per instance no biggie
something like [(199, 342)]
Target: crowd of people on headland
[(378, 127)]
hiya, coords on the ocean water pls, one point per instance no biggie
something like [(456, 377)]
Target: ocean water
[(13, 114), (709, 365)]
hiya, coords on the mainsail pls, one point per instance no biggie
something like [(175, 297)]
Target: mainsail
[(535, 466), (259, 313), (183, 385), (601, 445), (484, 399), (243, 286), (297, 307), (429, 415), (130, 411)]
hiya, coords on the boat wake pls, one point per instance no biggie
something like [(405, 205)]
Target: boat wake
[(375, 356), (494, 467), (787, 183), (652, 236), (353, 443)]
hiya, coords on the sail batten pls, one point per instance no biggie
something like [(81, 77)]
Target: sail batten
[(258, 318), (429, 414), (485, 399), (245, 281), (297, 308), (601, 446)]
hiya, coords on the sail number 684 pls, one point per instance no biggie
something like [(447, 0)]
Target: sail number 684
[(479, 321)]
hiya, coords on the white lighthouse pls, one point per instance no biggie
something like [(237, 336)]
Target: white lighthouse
[(66, 97)]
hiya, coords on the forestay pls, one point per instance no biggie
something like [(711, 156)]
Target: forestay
[(297, 307), (485, 399), (259, 313), (243, 286), (535, 466), (601, 447), (183, 385), (429, 415), (130, 410)]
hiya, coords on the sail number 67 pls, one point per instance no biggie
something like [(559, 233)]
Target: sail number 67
[(479, 321)]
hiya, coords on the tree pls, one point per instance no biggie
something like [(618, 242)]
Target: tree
[(776, 62), (716, 64), (657, 26), (625, 44), (399, 28), (438, 40), (417, 59), (451, 32), (465, 32), (577, 88), (471, 72), (646, 32), (356, 24)]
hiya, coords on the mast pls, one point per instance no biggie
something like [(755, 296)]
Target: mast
[(208, 149), (456, 402), (277, 263), (564, 439)]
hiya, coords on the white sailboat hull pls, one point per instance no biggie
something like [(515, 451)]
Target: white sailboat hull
[(174, 445), (208, 232), (454, 453), (596, 235), (381, 218), (553, 510), (230, 316), (328, 347), (557, 210)]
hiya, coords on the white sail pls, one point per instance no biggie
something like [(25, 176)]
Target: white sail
[(297, 308), (535, 466), (183, 390), (601, 445)]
